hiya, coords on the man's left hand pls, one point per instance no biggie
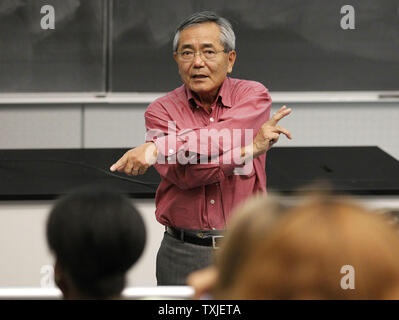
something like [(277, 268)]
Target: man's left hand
[(270, 132)]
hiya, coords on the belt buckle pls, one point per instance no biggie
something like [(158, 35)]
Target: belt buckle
[(214, 241)]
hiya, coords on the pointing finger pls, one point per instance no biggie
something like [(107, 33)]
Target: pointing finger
[(120, 164)]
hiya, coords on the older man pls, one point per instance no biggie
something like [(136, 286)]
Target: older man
[(203, 179)]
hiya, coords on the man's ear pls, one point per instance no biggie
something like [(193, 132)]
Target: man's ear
[(175, 56), (232, 59)]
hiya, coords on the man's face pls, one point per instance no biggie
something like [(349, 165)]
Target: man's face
[(202, 76)]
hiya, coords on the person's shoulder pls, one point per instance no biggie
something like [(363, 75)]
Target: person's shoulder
[(176, 94), (242, 88), (167, 100)]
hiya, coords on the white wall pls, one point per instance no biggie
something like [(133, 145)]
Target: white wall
[(40, 126), (24, 251), (122, 125), (344, 124)]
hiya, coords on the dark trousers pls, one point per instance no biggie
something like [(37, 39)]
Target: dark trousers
[(177, 259)]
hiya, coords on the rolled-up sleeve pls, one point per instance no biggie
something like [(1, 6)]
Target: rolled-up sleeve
[(240, 124), (247, 115)]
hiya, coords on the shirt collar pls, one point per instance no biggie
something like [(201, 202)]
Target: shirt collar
[(224, 94)]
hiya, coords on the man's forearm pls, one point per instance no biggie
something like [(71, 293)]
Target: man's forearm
[(251, 151)]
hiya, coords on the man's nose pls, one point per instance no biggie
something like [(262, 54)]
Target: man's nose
[(198, 61)]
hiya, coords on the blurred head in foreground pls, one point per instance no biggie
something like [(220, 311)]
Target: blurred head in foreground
[(251, 221), (324, 248), (96, 236)]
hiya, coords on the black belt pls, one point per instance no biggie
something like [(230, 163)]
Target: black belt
[(209, 238)]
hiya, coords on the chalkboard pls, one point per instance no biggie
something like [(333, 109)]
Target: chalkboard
[(69, 58), (126, 45), (288, 45)]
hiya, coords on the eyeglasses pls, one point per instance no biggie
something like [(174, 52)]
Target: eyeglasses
[(207, 54)]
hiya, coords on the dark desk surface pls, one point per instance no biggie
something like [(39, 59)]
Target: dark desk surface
[(48, 173)]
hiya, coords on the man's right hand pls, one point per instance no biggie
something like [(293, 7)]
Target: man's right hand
[(136, 161), (270, 132)]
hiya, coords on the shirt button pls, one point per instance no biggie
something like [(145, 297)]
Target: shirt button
[(211, 119), (212, 201), (197, 107), (171, 150)]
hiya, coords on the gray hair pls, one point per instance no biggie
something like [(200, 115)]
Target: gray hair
[(227, 36)]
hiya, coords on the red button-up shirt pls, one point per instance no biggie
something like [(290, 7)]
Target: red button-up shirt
[(198, 195)]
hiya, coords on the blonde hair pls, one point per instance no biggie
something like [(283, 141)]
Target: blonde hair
[(251, 220), (301, 256)]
